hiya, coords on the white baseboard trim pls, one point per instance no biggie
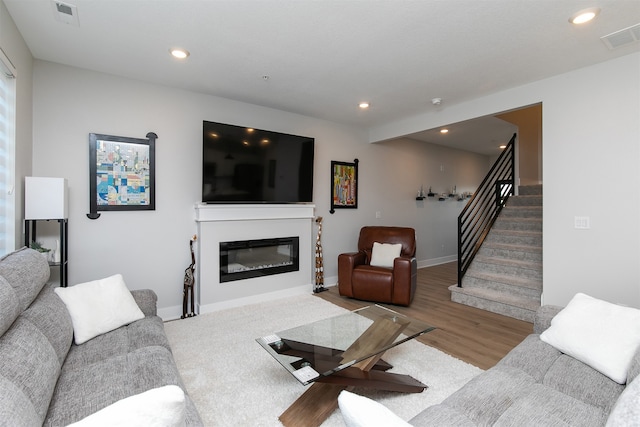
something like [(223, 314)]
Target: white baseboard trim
[(170, 313), (437, 261)]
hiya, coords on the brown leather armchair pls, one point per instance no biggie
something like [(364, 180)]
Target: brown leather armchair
[(358, 279)]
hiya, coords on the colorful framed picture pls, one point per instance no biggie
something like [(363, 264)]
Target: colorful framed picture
[(121, 173), (344, 185)]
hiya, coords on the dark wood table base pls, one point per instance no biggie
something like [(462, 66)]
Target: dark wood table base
[(317, 403)]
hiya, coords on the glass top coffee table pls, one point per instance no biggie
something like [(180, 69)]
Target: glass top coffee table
[(340, 352)]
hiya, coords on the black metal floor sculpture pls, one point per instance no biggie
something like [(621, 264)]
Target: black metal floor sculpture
[(189, 280)]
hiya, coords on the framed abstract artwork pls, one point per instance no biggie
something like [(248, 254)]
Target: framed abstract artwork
[(344, 185), (121, 173)]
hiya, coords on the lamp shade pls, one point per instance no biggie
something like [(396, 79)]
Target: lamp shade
[(45, 198)]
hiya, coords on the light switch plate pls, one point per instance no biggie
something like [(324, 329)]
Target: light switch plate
[(581, 222)]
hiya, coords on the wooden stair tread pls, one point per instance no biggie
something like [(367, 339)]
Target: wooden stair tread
[(499, 297), (506, 279), (513, 247), (531, 265)]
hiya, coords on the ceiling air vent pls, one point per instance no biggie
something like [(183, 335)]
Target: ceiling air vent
[(623, 37), (66, 13)]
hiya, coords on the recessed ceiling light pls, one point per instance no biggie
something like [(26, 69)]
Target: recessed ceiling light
[(179, 53), (363, 105), (444, 130), (502, 147), (584, 16)]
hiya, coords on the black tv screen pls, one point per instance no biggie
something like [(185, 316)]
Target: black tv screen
[(247, 165)]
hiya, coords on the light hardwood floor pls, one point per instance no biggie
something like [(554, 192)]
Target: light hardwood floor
[(476, 336)]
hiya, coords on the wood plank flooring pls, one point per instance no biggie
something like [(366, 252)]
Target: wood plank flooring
[(476, 336)]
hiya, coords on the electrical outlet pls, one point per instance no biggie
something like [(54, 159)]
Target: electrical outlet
[(378, 215)]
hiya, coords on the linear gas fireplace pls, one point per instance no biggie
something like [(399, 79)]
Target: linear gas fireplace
[(245, 259)]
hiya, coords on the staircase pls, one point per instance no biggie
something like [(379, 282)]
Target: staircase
[(505, 277)]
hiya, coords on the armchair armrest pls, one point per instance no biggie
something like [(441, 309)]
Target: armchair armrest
[(405, 263), (346, 263), (354, 258), (405, 272)]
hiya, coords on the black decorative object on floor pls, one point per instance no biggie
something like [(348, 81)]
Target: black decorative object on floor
[(188, 294)]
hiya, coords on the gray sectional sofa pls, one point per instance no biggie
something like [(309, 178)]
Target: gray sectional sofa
[(537, 385), (46, 379)]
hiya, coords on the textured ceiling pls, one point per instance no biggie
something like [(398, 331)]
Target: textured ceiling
[(324, 57)]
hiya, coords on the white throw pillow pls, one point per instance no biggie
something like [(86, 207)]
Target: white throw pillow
[(383, 254), (99, 306), (603, 335), (158, 407), (360, 411)]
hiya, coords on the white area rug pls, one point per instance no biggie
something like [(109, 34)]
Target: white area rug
[(235, 382)]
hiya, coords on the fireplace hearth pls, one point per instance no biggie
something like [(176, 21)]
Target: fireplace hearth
[(245, 259)]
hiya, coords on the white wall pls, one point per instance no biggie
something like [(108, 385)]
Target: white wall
[(591, 153), (150, 248)]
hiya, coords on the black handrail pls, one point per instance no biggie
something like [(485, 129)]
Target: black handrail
[(478, 216)]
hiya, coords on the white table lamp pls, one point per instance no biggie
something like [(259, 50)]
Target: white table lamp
[(46, 198)]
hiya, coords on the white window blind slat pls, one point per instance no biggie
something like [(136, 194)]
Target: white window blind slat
[(7, 155)]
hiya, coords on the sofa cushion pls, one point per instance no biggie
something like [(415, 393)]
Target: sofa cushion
[(626, 412), (26, 271), (483, 399), (29, 369), (142, 333), (85, 389), (50, 316), (573, 378), (603, 335), (10, 305), (542, 406), (34, 347), (531, 356), (158, 407), (441, 415), (561, 372), (99, 306), (16, 406)]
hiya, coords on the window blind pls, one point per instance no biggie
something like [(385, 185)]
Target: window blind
[(7, 154)]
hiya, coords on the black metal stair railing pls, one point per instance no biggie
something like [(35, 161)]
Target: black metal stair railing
[(480, 213)]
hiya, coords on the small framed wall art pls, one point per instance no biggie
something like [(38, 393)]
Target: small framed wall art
[(121, 173), (344, 185)]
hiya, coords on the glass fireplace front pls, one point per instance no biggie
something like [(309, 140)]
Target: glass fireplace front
[(255, 258)]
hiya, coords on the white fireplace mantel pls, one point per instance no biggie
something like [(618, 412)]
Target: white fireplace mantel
[(244, 212), (221, 223)]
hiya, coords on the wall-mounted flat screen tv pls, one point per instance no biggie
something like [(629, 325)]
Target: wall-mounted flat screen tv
[(247, 165)]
